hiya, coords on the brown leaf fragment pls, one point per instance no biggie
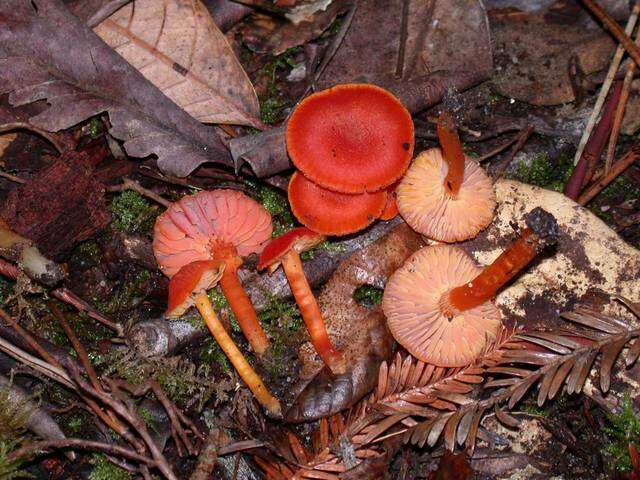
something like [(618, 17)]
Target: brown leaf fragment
[(75, 205), (609, 356), (545, 384), (505, 419), (80, 76), (453, 466), (274, 35), (176, 45), (633, 353), (560, 378)]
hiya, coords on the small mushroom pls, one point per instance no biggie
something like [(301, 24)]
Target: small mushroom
[(188, 287), (332, 213), (447, 199), (438, 303), (217, 225), (286, 250), (351, 138)]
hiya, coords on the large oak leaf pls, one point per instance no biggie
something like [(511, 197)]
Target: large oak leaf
[(176, 45), (46, 53)]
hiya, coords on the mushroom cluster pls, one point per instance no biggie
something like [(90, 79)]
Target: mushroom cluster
[(351, 144), (438, 304)]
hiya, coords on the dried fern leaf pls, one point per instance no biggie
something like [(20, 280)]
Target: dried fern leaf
[(545, 384), (505, 419), (546, 343), (591, 321), (559, 378), (609, 356), (633, 353)]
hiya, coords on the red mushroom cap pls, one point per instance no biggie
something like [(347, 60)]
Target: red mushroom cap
[(391, 206), (190, 227), (299, 239), (351, 138), (333, 213), (190, 281)]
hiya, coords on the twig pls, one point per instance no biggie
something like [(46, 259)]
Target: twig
[(403, 39), (523, 136), (208, 456), (619, 115), (12, 178), (32, 342), (65, 295), (7, 127), (497, 150), (613, 68), (79, 444), (593, 150), (618, 168), (614, 28), (128, 184)]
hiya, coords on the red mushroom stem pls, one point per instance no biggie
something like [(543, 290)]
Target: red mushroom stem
[(542, 231), (311, 312), (238, 299), (452, 152)]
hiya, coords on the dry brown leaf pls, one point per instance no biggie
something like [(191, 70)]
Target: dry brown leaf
[(176, 45)]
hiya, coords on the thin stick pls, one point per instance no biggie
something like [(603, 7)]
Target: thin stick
[(128, 184), (32, 342), (614, 28), (208, 457), (8, 127), (65, 295), (79, 444), (523, 136), (12, 178), (497, 150), (604, 90), (619, 115), (618, 168)]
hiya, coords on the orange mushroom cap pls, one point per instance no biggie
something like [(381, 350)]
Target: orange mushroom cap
[(299, 239), (190, 281), (333, 213), (391, 206), (419, 319), (351, 138), (426, 206), (187, 230)]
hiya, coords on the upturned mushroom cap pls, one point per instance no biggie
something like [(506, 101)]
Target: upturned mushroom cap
[(299, 239), (189, 282), (189, 228), (426, 206), (420, 321), (333, 213), (351, 138)]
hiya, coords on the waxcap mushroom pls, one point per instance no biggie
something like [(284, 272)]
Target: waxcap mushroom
[(352, 138), (333, 213), (422, 324), (299, 239), (222, 225), (189, 282), (425, 205)]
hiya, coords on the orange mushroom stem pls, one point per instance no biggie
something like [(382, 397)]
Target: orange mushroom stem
[(237, 297), (541, 231), (453, 153), (189, 287), (286, 250)]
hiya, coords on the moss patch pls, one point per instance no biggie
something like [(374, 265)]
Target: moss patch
[(624, 428), (132, 212), (368, 296), (543, 172), (103, 469)]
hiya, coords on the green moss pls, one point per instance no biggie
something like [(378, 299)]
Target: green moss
[(89, 250), (327, 245), (624, 428), (148, 418), (281, 319), (544, 173), (368, 295), (75, 424), (103, 469), (493, 99), (11, 469), (272, 104), (132, 212), (221, 304), (277, 205), (212, 353), (13, 420), (127, 296)]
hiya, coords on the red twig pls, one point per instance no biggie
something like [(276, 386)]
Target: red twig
[(595, 146)]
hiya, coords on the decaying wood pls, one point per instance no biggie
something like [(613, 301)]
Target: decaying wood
[(59, 207)]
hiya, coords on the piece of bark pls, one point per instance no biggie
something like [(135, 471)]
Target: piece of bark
[(358, 332), (75, 205)]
